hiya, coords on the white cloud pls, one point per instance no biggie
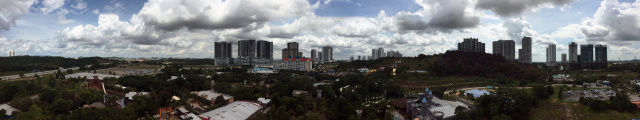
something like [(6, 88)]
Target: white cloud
[(62, 19), (96, 11), (80, 5), (51, 5), (10, 11), (510, 8)]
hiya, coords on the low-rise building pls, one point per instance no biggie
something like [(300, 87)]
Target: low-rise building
[(211, 95), (301, 64), (238, 110)]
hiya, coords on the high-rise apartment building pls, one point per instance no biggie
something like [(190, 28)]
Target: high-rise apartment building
[(246, 48), (551, 53), (601, 53), (291, 50), (471, 45), (264, 49), (506, 48), (314, 54), (586, 52), (564, 57), (573, 52), (524, 54), (328, 54), (320, 56), (222, 50)]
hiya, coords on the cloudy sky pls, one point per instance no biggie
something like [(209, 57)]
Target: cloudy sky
[(188, 28)]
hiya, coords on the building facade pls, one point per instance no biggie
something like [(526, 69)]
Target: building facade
[(222, 53), (301, 64), (564, 57), (471, 45), (291, 51), (524, 54), (327, 52), (586, 52), (573, 52), (506, 48), (551, 53), (264, 49), (601, 53), (246, 48)]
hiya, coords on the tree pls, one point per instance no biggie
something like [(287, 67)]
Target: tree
[(3, 113), (370, 116), (61, 106), (461, 114), (48, 95), (501, 117), (34, 113), (501, 79)]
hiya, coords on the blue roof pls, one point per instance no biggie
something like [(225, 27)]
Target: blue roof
[(424, 100), (426, 89), (430, 93)]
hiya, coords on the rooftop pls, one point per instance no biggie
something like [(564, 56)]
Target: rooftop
[(239, 110), (131, 94), (8, 108), (212, 95)]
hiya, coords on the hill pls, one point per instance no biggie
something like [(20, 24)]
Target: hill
[(456, 63), (29, 63)]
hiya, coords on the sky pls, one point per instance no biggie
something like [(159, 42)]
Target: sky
[(188, 28)]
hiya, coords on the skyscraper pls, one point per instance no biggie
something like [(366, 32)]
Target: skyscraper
[(564, 57), (320, 56), (314, 54), (264, 49), (601, 53), (222, 50), (328, 54), (506, 48), (246, 48), (471, 45), (374, 52), (573, 52), (551, 53), (524, 54), (586, 52), (291, 50)]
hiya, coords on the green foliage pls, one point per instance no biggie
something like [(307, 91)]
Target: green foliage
[(34, 113), (516, 103), (61, 106), (3, 113), (48, 95), (501, 117)]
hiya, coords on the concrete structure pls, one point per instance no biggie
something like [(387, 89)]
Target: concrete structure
[(211, 95), (551, 53), (394, 54), (314, 55), (222, 53), (301, 64), (506, 48), (524, 54), (471, 45), (563, 57), (264, 49), (573, 52), (319, 57), (239, 110), (291, 51), (12, 53), (327, 52), (253, 61), (246, 48), (586, 51), (601, 53)]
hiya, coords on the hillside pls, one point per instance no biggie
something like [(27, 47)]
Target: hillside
[(457, 63), (28, 63)]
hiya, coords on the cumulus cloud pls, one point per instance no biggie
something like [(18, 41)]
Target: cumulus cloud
[(510, 8), (10, 11), (621, 20), (218, 14), (438, 16), (51, 5)]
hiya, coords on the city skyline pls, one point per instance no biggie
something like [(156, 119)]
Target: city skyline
[(73, 28)]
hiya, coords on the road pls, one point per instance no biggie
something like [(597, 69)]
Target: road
[(40, 73)]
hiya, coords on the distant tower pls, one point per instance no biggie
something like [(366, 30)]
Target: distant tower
[(319, 93)]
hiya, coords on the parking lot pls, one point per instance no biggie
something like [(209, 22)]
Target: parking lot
[(600, 94)]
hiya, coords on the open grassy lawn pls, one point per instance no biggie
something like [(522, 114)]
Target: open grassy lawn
[(555, 109)]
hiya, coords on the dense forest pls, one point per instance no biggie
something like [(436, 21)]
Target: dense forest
[(30, 63)]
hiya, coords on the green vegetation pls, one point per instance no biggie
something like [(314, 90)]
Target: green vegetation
[(25, 64)]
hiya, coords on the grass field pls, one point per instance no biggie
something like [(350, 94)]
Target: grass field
[(555, 109)]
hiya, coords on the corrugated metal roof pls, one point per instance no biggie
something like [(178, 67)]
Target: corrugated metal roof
[(213, 95), (238, 110)]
